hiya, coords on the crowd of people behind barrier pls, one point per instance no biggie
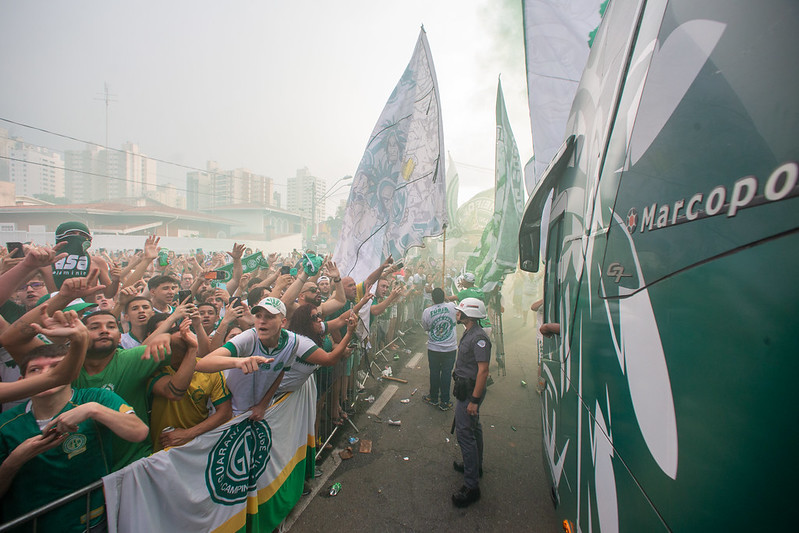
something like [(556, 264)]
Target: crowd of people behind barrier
[(108, 357)]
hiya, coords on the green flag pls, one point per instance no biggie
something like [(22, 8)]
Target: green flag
[(248, 264), (498, 251)]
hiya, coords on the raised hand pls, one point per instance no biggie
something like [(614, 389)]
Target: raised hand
[(187, 335), (41, 256), (158, 348), (61, 324), (151, 247), (332, 270), (81, 287), (238, 251), (127, 294)]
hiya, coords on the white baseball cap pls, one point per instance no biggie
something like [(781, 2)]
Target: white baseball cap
[(272, 305)]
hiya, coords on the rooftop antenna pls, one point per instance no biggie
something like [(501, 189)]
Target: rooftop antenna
[(108, 98)]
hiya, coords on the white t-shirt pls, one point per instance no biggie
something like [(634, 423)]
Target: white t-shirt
[(128, 341), (439, 321), (248, 389)]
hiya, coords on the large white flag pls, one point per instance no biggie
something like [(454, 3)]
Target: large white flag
[(557, 39), (398, 195), (242, 476)]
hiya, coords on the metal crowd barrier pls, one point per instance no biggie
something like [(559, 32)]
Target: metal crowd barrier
[(36, 513)]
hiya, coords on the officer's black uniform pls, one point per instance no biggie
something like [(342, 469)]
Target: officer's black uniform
[(474, 347)]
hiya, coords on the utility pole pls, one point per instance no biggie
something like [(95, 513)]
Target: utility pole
[(108, 98)]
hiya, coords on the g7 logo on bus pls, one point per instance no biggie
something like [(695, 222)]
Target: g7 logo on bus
[(615, 270)]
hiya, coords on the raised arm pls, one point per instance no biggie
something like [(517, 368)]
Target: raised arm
[(232, 314), (65, 325), (271, 276), (382, 306), (104, 277), (235, 280), (338, 300), (36, 258), (19, 337), (181, 311), (133, 262), (220, 359), (174, 387), (374, 276), (126, 426), (203, 342), (294, 289), (125, 296), (282, 282), (340, 350), (151, 250)]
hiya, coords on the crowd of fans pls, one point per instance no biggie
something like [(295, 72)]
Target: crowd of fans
[(110, 356)]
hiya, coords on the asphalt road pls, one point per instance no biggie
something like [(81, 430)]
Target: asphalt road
[(405, 483)]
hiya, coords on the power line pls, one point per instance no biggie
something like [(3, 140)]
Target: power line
[(106, 176), (94, 159), (210, 173), (63, 136), (475, 167)]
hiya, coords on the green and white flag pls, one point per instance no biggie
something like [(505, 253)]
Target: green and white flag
[(498, 252), (398, 194), (453, 228), (242, 476), (475, 214), (248, 264)]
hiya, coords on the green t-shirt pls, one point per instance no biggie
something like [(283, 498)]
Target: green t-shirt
[(83, 458), (127, 375), (11, 312)]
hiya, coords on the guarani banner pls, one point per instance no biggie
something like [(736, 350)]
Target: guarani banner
[(557, 39), (398, 195), (242, 476), (498, 252)]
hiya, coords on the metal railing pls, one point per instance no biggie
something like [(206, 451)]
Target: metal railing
[(36, 513)]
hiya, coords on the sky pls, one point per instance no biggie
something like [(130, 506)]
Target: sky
[(270, 86)]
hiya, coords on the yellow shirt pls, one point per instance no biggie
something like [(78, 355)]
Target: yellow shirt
[(192, 409)]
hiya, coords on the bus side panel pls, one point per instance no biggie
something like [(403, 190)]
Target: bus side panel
[(732, 343)]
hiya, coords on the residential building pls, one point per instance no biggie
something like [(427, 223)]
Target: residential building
[(305, 195), (217, 187), (96, 174), (34, 170)]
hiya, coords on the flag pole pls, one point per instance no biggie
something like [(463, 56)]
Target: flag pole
[(444, 261)]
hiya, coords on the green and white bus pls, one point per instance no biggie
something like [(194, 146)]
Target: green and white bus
[(668, 229)]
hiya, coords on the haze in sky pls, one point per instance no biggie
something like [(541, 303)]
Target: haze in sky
[(271, 86)]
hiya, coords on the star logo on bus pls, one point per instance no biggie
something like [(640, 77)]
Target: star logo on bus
[(632, 220)]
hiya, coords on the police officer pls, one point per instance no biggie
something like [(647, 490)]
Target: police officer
[(470, 375)]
